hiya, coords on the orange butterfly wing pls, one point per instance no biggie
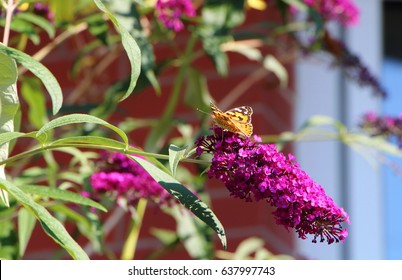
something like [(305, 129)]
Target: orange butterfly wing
[(236, 120)]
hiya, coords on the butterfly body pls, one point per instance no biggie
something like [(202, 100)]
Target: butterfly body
[(236, 120)]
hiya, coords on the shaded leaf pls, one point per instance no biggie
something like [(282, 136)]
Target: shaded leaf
[(31, 91), (26, 224), (175, 155), (8, 240)]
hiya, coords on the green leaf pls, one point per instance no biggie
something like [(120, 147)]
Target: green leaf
[(379, 143), (298, 4), (320, 120), (197, 93), (127, 15), (83, 223), (131, 47), (32, 93), (272, 64), (247, 247), (62, 195), (165, 236), (6, 137), (22, 27), (192, 234), (93, 140), (86, 224), (175, 155), (41, 72), (51, 226), (245, 49), (319, 22), (212, 46), (63, 9), (223, 14), (78, 155), (219, 18), (269, 62), (80, 118), (8, 239), (150, 74), (98, 27), (8, 108), (71, 214), (185, 197), (26, 224), (8, 72), (39, 21)]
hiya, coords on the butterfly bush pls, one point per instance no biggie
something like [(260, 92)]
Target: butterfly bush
[(254, 171), (388, 126), (43, 10), (343, 11), (352, 64), (126, 179), (169, 12)]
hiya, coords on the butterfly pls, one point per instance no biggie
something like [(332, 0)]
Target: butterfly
[(236, 120)]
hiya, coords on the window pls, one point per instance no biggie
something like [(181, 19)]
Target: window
[(353, 182)]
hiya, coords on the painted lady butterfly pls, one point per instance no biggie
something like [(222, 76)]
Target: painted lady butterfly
[(236, 120)]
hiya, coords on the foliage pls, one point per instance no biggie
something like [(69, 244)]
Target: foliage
[(46, 165)]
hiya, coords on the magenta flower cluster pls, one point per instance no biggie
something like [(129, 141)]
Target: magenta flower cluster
[(43, 10), (255, 171), (357, 71), (170, 12), (342, 11), (388, 126), (118, 175)]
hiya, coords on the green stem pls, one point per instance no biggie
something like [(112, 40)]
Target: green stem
[(298, 137), (129, 151), (130, 245)]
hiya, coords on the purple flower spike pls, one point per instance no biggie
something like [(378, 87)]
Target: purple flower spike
[(169, 12), (343, 11), (254, 171), (388, 126), (126, 179)]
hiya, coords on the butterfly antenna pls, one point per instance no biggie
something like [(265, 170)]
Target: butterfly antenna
[(199, 110)]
